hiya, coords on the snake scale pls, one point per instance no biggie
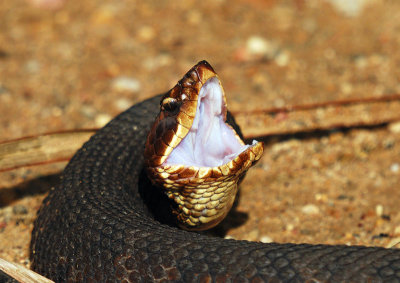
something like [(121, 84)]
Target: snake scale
[(105, 222)]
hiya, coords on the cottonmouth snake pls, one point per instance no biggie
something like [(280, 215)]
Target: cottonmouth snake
[(97, 225)]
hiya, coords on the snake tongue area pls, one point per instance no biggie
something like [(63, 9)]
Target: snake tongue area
[(194, 154)]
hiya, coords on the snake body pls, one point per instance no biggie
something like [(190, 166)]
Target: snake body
[(96, 226)]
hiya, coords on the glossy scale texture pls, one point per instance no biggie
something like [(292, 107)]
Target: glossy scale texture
[(95, 226)]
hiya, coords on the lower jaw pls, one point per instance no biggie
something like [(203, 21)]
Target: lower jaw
[(193, 215)]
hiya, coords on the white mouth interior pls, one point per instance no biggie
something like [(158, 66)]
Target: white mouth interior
[(210, 142)]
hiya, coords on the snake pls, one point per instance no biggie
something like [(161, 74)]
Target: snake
[(132, 202)]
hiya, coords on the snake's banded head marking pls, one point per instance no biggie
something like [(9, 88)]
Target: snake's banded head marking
[(194, 154)]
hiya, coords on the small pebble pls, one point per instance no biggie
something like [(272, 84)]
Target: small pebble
[(252, 235), (361, 62), (88, 111), (346, 88), (265, 166), (279, 102), (286, 146), (282, 59), (395, 167), (32, 66), (20, 209), (56, 111), (290, 227), (388, 143), (146, 33), (194, 17), (310, 209), (125, 84), (372, 175), (349, 8), (104, 14), (102, 119), (315, 162), (259, 46), (24, 261), (123, 103), (379, 210), (321, 197), (394, 127), (266, 239), (162, 59)]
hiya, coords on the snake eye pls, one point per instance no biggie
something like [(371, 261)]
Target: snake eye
[(169, 104)]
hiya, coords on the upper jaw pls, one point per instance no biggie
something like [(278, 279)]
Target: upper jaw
[(170, 127)]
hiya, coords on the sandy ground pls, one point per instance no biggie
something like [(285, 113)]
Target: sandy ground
[(77, 64)]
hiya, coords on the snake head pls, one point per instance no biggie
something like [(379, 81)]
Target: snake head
[(193, 154)]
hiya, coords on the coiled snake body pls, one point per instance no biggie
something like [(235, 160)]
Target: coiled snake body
[(96, 227)]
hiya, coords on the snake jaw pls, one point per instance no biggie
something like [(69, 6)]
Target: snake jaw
[(193, 154)]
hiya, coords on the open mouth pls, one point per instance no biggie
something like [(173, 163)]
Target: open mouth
[(210, 142), (193, 154)]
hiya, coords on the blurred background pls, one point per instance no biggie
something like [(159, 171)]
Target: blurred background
[(76, 64), (73, 64)]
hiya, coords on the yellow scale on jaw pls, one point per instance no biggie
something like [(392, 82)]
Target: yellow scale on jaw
[(203, 194)]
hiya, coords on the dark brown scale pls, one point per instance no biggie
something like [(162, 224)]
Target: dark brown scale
[(98, 224)]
